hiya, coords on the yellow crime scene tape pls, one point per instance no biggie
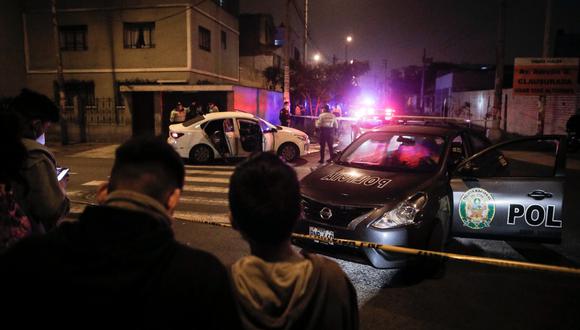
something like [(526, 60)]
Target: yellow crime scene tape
[(506, 263)]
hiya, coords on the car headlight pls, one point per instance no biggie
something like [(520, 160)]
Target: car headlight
[(403, 214), (301, 137)]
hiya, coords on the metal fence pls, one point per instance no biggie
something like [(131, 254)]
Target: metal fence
[(102, 111)]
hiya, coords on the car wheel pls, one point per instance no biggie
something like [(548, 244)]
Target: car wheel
[(200, 154), (289, 152)]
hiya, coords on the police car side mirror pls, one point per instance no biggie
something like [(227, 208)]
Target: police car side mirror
[(468, 170)]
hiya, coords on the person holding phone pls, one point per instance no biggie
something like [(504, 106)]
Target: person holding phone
[(39, 192)]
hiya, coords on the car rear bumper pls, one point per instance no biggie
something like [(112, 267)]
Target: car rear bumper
[(377, 258)]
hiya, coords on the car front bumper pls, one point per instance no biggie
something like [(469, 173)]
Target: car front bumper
[(404, 237)]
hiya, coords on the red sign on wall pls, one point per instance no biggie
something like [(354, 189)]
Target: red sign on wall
[(545, 76)]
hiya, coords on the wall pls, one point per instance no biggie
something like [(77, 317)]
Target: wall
[(263, 103), (522, 111)]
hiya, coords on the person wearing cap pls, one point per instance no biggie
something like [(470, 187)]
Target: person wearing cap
[(327, 124), (38, 191)]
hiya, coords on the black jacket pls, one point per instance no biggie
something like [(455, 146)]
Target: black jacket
[(114, 268)]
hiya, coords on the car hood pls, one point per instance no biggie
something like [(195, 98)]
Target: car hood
[(336, 184), (290, 130)]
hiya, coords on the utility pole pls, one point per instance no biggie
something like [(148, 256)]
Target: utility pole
[(545, 54), (495, 132), (305, 41), (59, 75), (287, 55), (426, 60)]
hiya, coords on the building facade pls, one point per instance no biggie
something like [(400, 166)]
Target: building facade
[(110, 47)]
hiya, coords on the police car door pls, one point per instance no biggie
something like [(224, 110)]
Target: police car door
[(511, 191)]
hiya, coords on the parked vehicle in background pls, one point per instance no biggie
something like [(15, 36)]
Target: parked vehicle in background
[(234, 135)]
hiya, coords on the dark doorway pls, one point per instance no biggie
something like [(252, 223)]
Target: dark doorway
[(143, 114)]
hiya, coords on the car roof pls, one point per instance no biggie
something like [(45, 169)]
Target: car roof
[(228, 114), (439, 130)]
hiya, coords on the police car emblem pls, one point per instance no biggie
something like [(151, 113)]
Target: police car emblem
[(325, 213), (476, 208)]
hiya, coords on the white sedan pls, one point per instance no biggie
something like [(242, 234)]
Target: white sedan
[(234, 135)]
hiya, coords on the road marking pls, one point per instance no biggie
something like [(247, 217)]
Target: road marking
[(204, 179), (217, 173), (201, 216), (203, 201), (94, 183), (223, 190), (210, 167)]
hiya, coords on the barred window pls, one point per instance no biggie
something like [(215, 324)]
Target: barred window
[(73, 37), (204, 39), (139, 35)]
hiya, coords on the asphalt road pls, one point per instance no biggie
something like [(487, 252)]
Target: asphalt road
[(467, 296)]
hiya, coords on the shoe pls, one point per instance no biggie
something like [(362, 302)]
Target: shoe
[(321, 161)]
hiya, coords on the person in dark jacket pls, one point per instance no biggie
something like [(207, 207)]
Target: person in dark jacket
[(285, 115), (120, 266), (277, 287), (40, 194)]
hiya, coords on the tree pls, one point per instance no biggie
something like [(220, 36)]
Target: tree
[(319, 84), (274, 76)]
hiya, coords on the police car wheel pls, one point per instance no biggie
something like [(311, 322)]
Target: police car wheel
[(289, 152), (200, 154)]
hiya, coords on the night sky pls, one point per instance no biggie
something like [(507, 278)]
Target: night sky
[(461, 31)]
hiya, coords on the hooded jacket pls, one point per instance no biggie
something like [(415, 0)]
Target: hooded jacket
[(311, 293), (119, 266), (39, 193)]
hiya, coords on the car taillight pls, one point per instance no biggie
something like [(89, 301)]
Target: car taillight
[(176, 135)]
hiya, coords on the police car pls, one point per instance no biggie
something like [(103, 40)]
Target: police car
[(233, 135), (418, 185)]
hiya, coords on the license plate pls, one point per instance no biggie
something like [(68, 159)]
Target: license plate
[(322, 233)]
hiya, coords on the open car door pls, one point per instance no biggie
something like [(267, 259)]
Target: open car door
[(250, 135), (511, 191)]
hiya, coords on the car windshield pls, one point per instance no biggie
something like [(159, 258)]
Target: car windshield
[(387, 151), (193, 120)]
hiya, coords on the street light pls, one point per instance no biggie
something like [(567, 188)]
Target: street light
[(348, 41), (316, 58)]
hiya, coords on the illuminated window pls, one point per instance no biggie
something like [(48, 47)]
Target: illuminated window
[(139, 35), (204, 39), (73, 37)]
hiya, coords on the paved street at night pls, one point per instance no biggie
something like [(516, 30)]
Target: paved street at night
[(467, 296)]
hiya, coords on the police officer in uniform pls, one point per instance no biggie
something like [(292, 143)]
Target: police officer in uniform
[(285, 115), (326, 124)]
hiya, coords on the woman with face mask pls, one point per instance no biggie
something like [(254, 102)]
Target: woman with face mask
[(41, 195)]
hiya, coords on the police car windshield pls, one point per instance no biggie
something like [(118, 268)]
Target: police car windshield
[(385, 151)]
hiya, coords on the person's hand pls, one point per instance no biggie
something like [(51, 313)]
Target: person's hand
[(64, 183)]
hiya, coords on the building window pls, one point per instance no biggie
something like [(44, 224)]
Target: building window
[(224, 40), (73, 37), (139, 35), (204, 39)]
